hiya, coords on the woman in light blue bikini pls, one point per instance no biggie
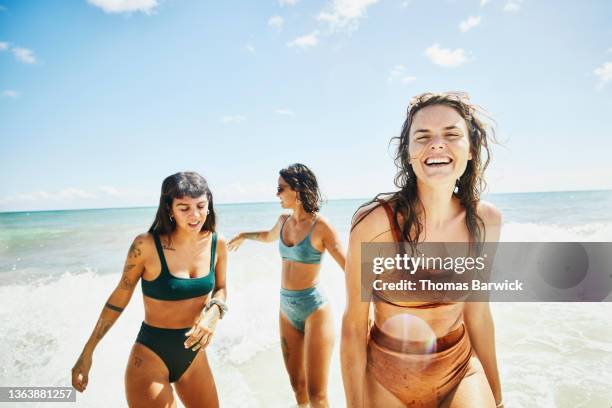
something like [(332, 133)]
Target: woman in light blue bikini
[(306, 328)]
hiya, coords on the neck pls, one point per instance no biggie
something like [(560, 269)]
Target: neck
[(181, 236), (438, 203), (300, 214)]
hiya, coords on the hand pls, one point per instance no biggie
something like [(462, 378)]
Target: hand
[(201, 333), (80, 372), (235, 242)]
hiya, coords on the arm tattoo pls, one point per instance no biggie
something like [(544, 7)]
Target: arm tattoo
[(251, 235), (126, 283), (102, 327), (135, 252), (113, 307)]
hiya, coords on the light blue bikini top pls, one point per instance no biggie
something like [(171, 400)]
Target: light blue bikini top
[(303, 252)]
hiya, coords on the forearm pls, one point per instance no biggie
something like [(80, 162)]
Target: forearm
[(108, 316), (353, 356), (482, 337), (261, 236)]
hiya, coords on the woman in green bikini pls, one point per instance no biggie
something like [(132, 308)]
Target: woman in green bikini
[(181, 265), (306, 327)]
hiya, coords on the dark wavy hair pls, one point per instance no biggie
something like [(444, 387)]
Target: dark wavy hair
[(301, 179), (179, 185), (468, 187)]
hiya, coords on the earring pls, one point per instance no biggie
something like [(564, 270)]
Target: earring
[(171, 219), (207, 211)]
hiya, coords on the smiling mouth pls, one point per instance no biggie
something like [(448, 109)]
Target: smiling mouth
[(438, 161), (194, 224)]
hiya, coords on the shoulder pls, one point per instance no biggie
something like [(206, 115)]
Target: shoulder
[(221, 244), (323, 225), (370, 220), (143, 245), (489, 213), (282, 218)]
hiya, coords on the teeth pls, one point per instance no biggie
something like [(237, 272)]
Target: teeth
[(434, 160)]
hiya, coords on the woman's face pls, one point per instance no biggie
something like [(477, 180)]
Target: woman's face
[(439, 146), (190, 213), (287, 196)]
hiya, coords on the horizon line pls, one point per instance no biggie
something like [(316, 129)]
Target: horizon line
[(276, 202)]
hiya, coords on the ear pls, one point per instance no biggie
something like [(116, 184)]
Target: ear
[(470, 156)]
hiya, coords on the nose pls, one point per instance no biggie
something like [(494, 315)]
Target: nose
[(437, 143)]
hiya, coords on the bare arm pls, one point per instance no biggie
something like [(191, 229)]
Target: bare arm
[(477, 315), (201, 333), (332, 244), (261, 236), (353, 345), (117, 301)]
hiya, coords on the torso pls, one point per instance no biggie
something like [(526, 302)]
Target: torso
[(297, 275), (183, 262), (423, 318)]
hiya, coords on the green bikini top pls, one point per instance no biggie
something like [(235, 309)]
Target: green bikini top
[(169, 287)]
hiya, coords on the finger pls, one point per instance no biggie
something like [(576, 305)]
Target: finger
[(196, 347), (188, 333), (208, 340)]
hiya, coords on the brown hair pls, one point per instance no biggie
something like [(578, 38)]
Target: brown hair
[(468, 187)]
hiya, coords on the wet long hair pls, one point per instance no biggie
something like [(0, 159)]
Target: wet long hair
[(301, 179), (467, 188), (179, 185)]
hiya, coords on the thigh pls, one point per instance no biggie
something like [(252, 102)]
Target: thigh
[(292, 344), (146, 380), (472, 391), (196, 387), (376, 395), (319, 344)]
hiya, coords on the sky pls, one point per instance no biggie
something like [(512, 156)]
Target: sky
[(102, 99)]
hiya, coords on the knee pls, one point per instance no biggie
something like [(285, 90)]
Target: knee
[(298, 385), (317, 395)]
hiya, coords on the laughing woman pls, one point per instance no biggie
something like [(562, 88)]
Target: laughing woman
[(306, 327), (181, 264), (416, 353)]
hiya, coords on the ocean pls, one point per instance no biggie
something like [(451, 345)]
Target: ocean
[(57, 269)]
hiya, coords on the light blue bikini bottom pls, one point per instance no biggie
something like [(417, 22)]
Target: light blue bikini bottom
[(297, 305)]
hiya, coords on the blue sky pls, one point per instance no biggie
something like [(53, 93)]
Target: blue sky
[(101, 99)]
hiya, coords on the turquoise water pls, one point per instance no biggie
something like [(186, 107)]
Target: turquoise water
[(58, 267)]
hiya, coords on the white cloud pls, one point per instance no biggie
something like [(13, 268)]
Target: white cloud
[(110, 191), (283, 3), (604, 73), (398, 73), (4, 46), (24, 55), (512, 7), (446, 57), (125, 6), (483, 3), (250, 48), (469, 23), (305, 41), (284, 112), (345, 14), (276, 22), (233, 119), (9, 93)]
